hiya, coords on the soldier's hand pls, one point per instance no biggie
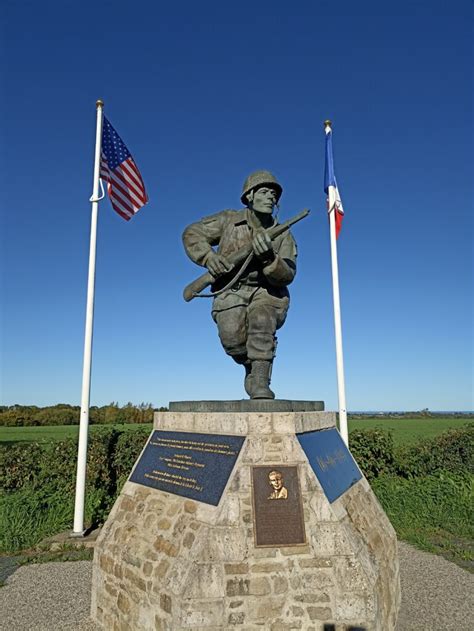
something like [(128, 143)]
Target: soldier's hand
[(262, 246), (217, 264)]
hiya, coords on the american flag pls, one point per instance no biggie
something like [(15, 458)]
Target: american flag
[(124, 183), (330, 182)]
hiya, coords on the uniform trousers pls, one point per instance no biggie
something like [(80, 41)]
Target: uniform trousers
[(247, 318)]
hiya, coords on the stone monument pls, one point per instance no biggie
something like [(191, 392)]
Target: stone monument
[(248, 514)]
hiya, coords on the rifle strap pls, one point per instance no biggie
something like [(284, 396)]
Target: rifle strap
[(229, 285)]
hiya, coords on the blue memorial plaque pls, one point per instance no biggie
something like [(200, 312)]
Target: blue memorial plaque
[(196, 466), (331, 461)]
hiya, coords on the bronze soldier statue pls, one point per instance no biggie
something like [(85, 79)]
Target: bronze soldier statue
[(251, 298)]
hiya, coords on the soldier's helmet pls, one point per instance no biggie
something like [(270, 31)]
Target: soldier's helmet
[(260, 178)]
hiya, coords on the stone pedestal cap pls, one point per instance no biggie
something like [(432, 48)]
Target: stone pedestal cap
[(247, 405)]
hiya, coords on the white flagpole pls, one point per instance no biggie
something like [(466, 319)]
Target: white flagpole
[(86, 371), (337, 309)]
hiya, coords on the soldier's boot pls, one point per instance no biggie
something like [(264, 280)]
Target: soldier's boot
[(248, 382), (244, 361), (260, 380)]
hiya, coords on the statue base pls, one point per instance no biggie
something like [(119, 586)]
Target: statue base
[(247, 405), (287, 533)]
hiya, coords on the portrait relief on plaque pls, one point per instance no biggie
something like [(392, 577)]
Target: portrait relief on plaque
[(276, 481), (277, 506)]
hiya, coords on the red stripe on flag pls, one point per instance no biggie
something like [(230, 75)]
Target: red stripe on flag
[(126, 203), (123, 180), (132, 171), (125, 188), (124, 211), (339, 217)]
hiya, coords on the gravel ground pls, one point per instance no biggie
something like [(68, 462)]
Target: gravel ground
[(436, 596)]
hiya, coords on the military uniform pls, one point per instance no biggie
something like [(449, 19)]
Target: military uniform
[(250, 312)]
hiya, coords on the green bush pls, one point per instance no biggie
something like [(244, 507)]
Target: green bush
[(373, 451), (434, 512), (38, 483), (450, 451), (37, 466), (19, 465), (128, 448)]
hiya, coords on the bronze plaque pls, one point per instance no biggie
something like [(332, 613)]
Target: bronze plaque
[(277, 506)]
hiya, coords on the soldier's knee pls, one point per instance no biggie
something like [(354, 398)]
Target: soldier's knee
[(234, 347), (263, 319), (232, 335)]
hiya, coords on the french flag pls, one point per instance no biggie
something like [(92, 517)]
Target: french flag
[(330, 184)]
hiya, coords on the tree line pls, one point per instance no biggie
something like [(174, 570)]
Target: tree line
[(65, 414)]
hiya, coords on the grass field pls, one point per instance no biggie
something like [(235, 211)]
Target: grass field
[(409, 430), (51, 433), (405, 430)]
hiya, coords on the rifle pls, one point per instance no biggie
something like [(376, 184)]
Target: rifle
[(206, 279)]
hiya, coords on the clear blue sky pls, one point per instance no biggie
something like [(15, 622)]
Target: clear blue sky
[(203, 93)]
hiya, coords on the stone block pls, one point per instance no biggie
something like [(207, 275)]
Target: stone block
[(161, 569), (240, 482), (165, 602), (349, 574), (202, 613), (264, 553), (253, 449), (311, 421), (260, 424), (229, 513), (205, 580), (313, 580), (163, 524), (259, 586), (332, 539), (238, 587), (225, 423), (295, 550), (279, 625), (280, 584), (167, 547), (123, 603), (176, 577), (284, 423), (236, 618), (319, 613), (267, 568), (223, 544), (317, 562), (236, 568), (350, 606), (265, 609)]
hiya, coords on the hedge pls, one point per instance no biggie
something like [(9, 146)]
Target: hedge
[(112, 453), (38, 481)]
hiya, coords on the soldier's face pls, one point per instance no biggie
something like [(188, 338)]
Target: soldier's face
[(276, 481), (264, 199)]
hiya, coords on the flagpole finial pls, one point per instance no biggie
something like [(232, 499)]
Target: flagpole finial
[(99, 103), (327, 123)]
